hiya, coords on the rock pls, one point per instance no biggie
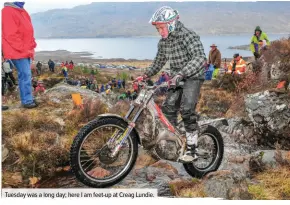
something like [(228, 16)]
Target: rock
[(143, 160), (59, 121), (269, 113), (273, 158), (256, 163), (99, 172), (5, 153), (17, 178), (63, 91), (150, 176), (227, 185), (165, 165)]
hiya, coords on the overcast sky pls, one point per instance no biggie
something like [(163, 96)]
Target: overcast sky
[(34, 6)]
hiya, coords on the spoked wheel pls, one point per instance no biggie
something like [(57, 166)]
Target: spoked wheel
[(92, 159), (210, 153)]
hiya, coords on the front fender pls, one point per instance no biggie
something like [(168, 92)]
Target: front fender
[(109, 115)]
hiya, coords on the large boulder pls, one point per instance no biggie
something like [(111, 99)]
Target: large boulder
[(226, 185), (63, 91), (270, 114)]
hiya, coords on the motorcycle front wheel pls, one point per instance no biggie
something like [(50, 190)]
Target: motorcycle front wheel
[(91, 158)]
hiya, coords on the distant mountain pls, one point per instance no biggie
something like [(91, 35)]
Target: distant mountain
[(125, 19)]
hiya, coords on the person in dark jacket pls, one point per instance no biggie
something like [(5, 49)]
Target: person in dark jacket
[(102, 88), (18, 44), (215, 59), (184, 50), (51, 65), (38, 66)]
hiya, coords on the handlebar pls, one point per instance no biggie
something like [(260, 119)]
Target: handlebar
[(155, 88)]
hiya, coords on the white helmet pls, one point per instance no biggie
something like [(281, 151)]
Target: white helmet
[(165, 15)]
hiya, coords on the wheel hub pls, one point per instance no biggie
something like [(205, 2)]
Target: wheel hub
[(105, 156)]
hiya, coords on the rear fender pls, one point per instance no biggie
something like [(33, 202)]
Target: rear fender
[(206, 122), (108, 115)]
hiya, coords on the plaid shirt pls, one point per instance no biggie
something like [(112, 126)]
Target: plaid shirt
[(184, 51)]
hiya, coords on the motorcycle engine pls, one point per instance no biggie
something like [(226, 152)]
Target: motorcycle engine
[(168, 150), (152, 131)]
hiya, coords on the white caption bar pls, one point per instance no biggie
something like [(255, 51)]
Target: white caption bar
[(79, 193)]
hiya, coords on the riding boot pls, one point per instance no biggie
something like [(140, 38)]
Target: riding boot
[(191, 141)]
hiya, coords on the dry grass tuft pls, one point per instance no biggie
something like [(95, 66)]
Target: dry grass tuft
[(273, 184), (182, 188)]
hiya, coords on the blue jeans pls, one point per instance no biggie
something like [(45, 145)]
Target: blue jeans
[(24, 80)]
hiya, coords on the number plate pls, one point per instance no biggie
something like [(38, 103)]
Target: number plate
[(141, 97)]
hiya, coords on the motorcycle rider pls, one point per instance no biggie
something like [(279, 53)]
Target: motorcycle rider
[(184, 50)]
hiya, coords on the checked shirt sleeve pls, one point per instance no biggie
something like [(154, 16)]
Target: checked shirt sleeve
[(195, 49), (158, 62)]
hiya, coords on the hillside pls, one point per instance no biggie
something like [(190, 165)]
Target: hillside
[(101, 19)]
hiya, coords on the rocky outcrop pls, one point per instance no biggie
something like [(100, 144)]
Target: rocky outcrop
[(270, 114), (268, 121), (226, 185), (63, 91)]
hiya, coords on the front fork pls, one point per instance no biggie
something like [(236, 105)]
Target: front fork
[(117, 140)]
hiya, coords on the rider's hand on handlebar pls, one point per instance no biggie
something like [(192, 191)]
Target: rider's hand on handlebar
[(175, 81), (141, 78)]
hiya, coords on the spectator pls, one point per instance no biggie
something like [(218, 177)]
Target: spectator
[(162, 78), (71, 65), (114, 83), (258, 41), (97, 89), (18, 44), (123, 83), (93, 86), (40, 87), (215, 59), (64, 72), (4, 83), (38, 66), (237, 65), (7, 66), (129, 97), (102, 88), (51, 65), (135, 86), (119, 84)]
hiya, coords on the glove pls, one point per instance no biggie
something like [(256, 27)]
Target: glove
[(174, 82)]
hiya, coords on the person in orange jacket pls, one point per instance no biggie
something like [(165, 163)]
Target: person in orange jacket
[(237, 65)]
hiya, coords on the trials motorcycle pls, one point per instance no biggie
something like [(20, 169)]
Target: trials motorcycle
[(105, 150)]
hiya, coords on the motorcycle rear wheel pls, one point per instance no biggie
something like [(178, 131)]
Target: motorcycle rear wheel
[(218, 150)]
